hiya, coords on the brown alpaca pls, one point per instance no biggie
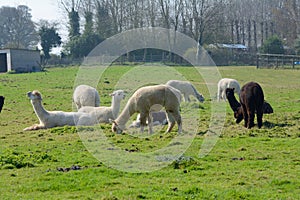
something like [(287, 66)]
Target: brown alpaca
[(252, 101)]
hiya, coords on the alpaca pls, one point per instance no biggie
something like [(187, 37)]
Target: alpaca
[(49, 119), (267, 108), (234, 104), (85, 95), (187, 89), (158, 118), (227, 83), (104, 114), (143, 100), (251, 101), (1, 102)]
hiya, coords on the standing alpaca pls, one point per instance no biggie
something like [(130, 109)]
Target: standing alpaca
[(237, 107), (49, 119), (187, 89), (251, 100), (104, 114), (1, 102), (143, 101), (85, 95), (225, 83)]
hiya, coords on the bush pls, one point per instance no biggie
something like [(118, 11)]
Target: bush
[(272, 45)]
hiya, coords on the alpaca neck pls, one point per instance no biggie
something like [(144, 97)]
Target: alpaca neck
[(123, 118), (39, 110), (234, 104), (115, 106)]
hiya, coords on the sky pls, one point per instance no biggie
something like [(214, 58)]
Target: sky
[(43, 9), (40, 9)]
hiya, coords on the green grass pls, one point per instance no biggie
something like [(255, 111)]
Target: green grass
[(244, 164)]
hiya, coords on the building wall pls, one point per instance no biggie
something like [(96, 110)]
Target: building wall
[(25, 60), (21, 60)]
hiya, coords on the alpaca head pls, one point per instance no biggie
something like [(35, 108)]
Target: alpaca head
[(115, 127), (118, 95), (34, 95), (229, 92), (238, 115), (200, 98)]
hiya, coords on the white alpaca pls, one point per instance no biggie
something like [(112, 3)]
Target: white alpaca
[(187, 89), (143, 100), (49, 119), (104, 114), (225, 83), (158, 118), (85, 95)]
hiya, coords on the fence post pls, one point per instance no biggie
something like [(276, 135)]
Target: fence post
[(257, 61)]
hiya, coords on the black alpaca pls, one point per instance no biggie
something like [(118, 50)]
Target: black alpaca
[(251, 102), (235, 105), (1, 102)]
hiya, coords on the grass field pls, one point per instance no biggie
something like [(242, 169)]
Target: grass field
[(244, 164)]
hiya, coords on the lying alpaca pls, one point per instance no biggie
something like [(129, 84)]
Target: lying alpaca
[(85, 95), (251, 101), (158, 118), (49, 119), (227, 83), (104, 114), (187, 89), (143, 100), (1, 102)]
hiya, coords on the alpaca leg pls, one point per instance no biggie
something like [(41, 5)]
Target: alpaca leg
[(171, 121), (177, 118), (251, 115), (143, 118), (150, 123), (219, 94), (186, 98), (259, 116), (34, 127), (245, 114), (224, 95)]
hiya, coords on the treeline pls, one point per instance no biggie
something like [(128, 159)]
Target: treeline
[(247, 22)]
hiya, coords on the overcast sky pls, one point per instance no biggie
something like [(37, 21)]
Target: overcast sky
[(40, 9)]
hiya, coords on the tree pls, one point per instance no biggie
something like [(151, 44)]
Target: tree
[(49, 38), (273, 45), (72, 7), (17, 28)]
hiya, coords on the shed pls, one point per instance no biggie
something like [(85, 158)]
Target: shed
[(19, 60)]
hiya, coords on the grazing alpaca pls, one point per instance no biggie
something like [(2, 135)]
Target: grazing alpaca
[(85, 95), (143, 101), (49, 119), (234, 104), (267, 108), (158, 118), (251, 101), (187, 89), (104, 114), (225, 83), (1, 102)]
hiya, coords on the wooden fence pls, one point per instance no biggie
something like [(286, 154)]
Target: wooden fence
[(277, 61)]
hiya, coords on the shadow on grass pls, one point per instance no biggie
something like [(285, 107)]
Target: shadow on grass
[(270, 125)]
